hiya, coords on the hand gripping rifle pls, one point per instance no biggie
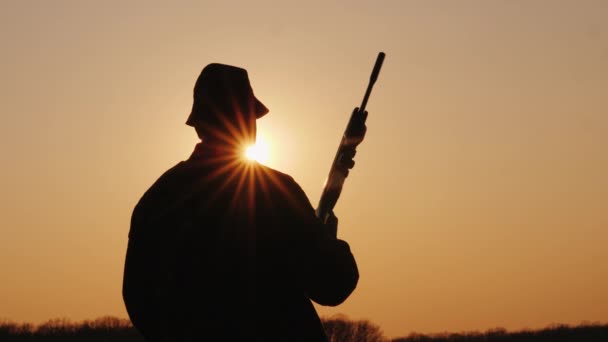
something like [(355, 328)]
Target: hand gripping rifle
[(353, 136)]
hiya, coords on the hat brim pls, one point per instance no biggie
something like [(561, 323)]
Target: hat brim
[(260, 109)]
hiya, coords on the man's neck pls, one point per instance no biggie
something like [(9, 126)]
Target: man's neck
[(211, 148)]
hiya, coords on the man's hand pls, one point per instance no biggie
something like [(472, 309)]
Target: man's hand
[(332, 224)]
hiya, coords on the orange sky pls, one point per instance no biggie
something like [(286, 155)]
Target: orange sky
[(480, 195)]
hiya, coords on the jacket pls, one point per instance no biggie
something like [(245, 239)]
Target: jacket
[(225, 250)]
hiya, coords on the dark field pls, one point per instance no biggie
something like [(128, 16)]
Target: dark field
[(340, 329)]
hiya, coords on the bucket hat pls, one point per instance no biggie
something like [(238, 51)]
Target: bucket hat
[(224, 90)]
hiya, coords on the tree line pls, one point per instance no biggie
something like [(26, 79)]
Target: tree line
[(338, 329)]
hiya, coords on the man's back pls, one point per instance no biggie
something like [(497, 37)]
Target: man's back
[(231, 250)]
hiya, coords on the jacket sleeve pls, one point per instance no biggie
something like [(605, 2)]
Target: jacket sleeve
[(325, 267)]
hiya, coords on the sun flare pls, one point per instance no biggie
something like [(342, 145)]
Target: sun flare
[(257, 152)]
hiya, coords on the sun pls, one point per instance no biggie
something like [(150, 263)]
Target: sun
[(257, 152)]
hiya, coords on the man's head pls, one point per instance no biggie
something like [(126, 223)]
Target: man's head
[(224, 107)]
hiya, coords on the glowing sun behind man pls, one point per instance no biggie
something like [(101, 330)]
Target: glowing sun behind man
[(258, 152)]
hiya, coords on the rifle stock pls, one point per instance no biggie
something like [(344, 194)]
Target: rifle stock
[(343, 161)]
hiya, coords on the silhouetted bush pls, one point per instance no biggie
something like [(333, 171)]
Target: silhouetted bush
[(341, 329)]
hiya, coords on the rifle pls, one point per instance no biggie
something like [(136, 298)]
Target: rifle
[(343, 161)]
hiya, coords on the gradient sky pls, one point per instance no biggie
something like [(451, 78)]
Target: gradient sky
[(479, 198)]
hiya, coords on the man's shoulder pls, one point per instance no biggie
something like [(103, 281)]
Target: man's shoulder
[(267, 170), (277, 178), (165, 189), (169, 193), (284, 187), (168, 178)]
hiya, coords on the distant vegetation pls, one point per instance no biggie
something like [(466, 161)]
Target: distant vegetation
[(339, 329), (104, 329), (556, 333)]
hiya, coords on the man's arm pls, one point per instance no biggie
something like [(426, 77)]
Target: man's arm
[(325, 266)]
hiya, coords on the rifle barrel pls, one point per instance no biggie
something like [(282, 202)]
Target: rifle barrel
[(372, 80)]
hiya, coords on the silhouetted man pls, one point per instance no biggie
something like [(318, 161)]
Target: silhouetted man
[(224, 249)]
